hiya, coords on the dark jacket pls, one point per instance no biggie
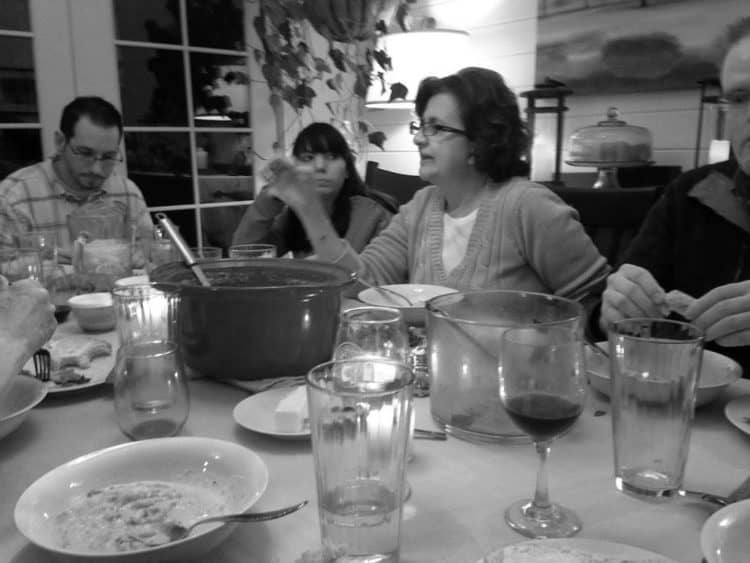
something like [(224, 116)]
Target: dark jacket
[(697, 237)]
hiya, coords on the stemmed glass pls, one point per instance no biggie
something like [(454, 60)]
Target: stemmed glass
[(543, 389), (375, 332)]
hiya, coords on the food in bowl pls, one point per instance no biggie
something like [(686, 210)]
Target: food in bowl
[(93, 311), (717, 373), (131, 516)]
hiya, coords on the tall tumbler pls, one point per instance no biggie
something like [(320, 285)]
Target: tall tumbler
[(654, 364), (360, 410), (151, 394)]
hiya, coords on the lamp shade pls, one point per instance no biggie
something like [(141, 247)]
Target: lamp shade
[(416, 55)]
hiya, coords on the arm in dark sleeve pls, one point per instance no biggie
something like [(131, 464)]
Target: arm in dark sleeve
[(257, 227)]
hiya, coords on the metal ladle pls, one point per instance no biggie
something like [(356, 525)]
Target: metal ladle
[(182, 248)]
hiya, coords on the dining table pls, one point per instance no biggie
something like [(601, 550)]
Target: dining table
[(460, 489)]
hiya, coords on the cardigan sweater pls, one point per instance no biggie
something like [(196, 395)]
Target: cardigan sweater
[(697, 237), (524, 238), (366, 220)]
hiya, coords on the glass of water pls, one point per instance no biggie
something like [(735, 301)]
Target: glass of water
[(252, 251), (150, 390)]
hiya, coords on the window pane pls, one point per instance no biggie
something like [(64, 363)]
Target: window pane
[(160, 164), (221, 89), (224, 153), (15, 15), (154, 21), (17, 83), (152, 86), (219, 224), (205, 19), (19, 148)]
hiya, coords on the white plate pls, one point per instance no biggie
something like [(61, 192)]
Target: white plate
[(100, 367), (737, 412), (234, 472), (256, 413), (574, 550), (416, 293), (724, 536), (21, 395), (717, 373)]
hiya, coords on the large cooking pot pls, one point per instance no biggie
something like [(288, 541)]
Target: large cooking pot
[(267, 317), (464, 332)]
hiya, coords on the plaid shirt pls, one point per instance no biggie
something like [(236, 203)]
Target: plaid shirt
[(35, 198)]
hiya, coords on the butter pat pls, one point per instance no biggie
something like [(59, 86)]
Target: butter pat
[(291, 412)]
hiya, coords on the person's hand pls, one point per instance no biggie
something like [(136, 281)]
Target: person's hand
[(27, 318), (631, 292), (724, 314), (293, 184)]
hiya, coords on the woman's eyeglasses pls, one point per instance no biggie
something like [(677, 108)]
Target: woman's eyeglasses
[(88, 156), (430, 129)]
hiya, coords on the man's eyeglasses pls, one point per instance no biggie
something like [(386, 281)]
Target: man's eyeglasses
[(88, 156), (430, 129)]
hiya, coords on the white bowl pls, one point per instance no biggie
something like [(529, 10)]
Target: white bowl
[(93, 311), (725, 536), (21, 395), (418, 294), (717, 373), (233, 471)]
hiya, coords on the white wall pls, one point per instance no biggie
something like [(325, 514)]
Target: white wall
[(502, 37)]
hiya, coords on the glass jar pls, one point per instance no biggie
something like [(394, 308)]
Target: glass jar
[(610, 141)]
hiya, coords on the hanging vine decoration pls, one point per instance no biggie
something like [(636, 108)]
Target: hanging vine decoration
[(293, 71)]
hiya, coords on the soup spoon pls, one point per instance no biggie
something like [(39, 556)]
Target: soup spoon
[(177, 532)]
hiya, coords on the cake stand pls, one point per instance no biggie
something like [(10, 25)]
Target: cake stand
[(607, 177)]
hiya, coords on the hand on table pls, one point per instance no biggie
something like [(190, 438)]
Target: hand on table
[(631, 292), (724, 314)]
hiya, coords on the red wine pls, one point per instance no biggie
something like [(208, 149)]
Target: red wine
[(541, 415)]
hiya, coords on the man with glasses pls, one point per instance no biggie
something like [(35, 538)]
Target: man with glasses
[(81, 174)]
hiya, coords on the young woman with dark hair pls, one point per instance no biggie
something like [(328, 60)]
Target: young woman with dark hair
[(481, 224), (355, 213)]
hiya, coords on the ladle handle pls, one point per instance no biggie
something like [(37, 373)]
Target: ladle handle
[(182, 248)]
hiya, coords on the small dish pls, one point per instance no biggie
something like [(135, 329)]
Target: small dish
[(93, 311), (232, 472), (21, 395), (724, 536), (256, 413), (717, 373), (418, 294), (572, 549)]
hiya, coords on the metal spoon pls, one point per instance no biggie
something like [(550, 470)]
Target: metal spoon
[(182, 248), (177, 532), (708, 497)]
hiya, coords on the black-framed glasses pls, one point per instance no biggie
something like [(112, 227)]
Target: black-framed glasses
[(430, 129), (89, 156)]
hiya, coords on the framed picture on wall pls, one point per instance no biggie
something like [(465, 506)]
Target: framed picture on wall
[(620, 46)]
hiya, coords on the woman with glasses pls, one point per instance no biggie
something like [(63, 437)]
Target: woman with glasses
[(355, 213), (481, 223)]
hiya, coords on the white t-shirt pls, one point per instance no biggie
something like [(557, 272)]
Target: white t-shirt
[(456, 232)]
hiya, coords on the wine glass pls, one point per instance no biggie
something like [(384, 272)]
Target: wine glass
[(543, 389), (375, 332)]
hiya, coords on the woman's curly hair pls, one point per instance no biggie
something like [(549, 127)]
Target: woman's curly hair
[(489, 111)]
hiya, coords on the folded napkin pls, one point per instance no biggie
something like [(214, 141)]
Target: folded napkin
[(258, 385)]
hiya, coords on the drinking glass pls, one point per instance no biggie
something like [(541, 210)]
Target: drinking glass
[(206, 252), (45, 241), (21, 263), (375, 332), (150, 390), (543, 389), (654, 367), (252, 251), (360, 411)]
